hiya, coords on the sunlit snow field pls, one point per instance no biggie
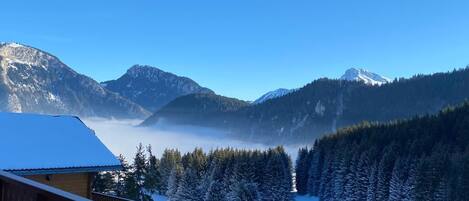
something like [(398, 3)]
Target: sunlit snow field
[(122, 137)]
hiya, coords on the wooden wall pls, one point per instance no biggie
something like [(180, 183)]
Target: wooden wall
[(79, 183)]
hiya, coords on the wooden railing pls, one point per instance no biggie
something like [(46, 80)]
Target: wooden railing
[(16, 188), (104, 197)]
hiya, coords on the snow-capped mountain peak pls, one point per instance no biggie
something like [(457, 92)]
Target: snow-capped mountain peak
[(18, 53), (32, 80), (362, 75), (273, 94)]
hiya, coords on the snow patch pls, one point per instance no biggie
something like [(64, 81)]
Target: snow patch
[(273, 94), (362, 75), (320, 108)]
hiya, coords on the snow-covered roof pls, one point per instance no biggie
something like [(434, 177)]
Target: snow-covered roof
[(38, 143)]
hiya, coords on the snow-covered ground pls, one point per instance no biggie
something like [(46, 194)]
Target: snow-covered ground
[(122, 137), (306, 198), (297, 198)]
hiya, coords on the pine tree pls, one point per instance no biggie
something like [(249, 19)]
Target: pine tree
[(303, 163), (152, 181), (139, 174), (278, 177), (121, 177), (314, 173), (104, 183), (408, 190), (397, 183), (217, 189), (372, 180), (173, 182), (188, 188), (170, 160), (361, 175), (243, 190)]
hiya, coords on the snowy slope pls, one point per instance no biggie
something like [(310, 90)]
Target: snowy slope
[(273, 94), (358, 74), (35, 81)]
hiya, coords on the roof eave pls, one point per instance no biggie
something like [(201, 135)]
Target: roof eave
[(72, 170)]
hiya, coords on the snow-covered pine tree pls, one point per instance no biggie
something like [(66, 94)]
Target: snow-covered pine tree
[(372, 180), (396, 191), (242, 190), (173, 182), (408, 190), (385, 167), (139, 174), (325, 189), (361, 175), (188, 188), (338, 176), (303, 163), (152, 181), (170, 160), (277, 177), (104, 182), (216, 187), (314, 172), (350, 186), (120, 176), (442, 191)]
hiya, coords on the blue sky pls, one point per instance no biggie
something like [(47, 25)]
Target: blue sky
[(243, 48)]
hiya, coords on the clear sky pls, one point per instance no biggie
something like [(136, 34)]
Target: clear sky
[(243, 48)]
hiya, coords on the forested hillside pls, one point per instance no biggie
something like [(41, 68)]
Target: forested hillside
[(199, 109), (421, 159), (326, 105), (222, 174)]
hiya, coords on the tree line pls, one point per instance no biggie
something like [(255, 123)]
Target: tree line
[(421, 159), (220, 175)]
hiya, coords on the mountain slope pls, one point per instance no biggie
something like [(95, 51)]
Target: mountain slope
[(425, 157), (151, 87), (361, 75), (32, 80), (273, 94), (325, 105), (196, 109)]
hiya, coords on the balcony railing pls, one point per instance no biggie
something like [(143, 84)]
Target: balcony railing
[(16, 188)]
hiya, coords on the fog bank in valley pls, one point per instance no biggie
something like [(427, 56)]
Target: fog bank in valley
[(123, 136)]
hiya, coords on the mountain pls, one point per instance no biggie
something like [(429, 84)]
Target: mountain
[(361, 75), (326, 105), (424, 157), (35, 81), (151, 87), (273, 94), (196, 109), (352, 74)]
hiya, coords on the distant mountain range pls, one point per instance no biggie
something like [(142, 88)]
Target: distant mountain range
[(325, 105), (151, 87), (352, 74), (32, 80), (35, 81)]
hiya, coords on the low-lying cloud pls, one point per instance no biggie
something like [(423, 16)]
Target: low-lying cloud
[(123, 136)]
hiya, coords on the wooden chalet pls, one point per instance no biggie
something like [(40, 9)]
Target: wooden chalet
[(50, 158)]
